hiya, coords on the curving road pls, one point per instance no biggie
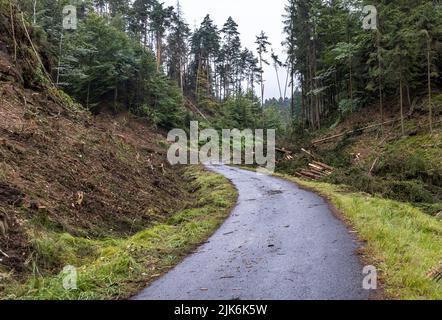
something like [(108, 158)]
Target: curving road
[(280, 243)]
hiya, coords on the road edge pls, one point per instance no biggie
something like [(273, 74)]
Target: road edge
[(363, 256)]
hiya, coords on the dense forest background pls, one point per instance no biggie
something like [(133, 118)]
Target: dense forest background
[(142, 56)]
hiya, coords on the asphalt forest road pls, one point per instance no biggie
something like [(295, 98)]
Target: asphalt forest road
[(280, 243)]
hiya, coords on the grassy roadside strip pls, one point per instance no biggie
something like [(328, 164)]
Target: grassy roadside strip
[(403, 242), (119, 268)]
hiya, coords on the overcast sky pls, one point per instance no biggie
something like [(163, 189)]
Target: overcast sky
[(252, 16)]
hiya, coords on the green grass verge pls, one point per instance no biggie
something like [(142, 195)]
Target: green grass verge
[(118, 268), (401, 240)]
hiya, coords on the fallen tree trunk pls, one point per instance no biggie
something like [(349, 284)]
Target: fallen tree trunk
[(321, 173), (325, 166), (316, 167), (309, 153), (300, 175), (352, 131), (282, 150), (315, 171), (361, 129), (310, 174), (195, 109)]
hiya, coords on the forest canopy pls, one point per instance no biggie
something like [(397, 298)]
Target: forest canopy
[(142, 56)]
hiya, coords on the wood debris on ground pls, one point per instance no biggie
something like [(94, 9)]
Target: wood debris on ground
[(315, 171), (287, 154)]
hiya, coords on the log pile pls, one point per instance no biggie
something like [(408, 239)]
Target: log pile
[(315, 171), (287, 154)]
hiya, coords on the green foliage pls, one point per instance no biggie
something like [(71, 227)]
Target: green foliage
[(168, 102), (241, 112), (409, 191), (344, 51), (339, 61), (177, 48), (102, 65), (98, 60), (272, 119), (348, 106), (437, 100), (414, 191), (417, 157), (109, 61), (409, 170), (245, 112)]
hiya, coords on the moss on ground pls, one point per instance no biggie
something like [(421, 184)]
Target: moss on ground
[(116, 268)]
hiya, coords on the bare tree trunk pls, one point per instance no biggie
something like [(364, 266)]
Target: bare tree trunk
[(151, 40), (13, 30), (145, 35), (309, 86), (225, 86), (408, 96), (286, 84), (88, 94), (35, 11), (115, 97), (181, 76), (279, 83), (252, 82), (351, 82), (158, 51), (315, 86), (209, 85), (197, 77), (381, 103), (303, 107), (262, 82), (292, 102), (59, 59), (402, 104), (430, 106)]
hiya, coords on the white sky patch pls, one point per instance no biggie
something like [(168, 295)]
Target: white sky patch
[(252, 16)]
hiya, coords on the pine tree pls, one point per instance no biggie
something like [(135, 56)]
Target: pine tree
[(231, 54), (160, 20), (177, 47), (262, 43), (204, 48), (277, 64)]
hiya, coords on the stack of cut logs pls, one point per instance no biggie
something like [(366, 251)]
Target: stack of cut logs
[(316, 170)]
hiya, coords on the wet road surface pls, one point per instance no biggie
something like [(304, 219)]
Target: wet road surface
[(280, 243)]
